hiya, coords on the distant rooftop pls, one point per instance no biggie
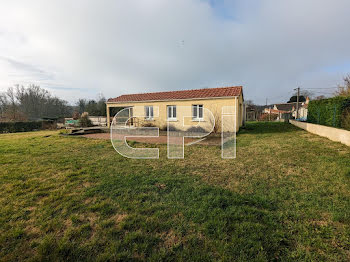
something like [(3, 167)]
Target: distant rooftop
[(287, 106)]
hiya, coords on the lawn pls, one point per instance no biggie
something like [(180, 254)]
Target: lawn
[(285, 197)]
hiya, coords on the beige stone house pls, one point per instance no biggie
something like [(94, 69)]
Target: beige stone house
[(182, 109)]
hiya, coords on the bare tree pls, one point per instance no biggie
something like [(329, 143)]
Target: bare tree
[(249, 102), (344, 90), (302, 96), (81, 104), (307, 93), (37, 102), (320, 97), (216, 121), (12, 107), (19, 103), (93, 107), (33, 100), (3, 104)]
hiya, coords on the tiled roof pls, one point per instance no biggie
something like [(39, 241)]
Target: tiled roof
[(274, 111), (185, 94), (287, 106)]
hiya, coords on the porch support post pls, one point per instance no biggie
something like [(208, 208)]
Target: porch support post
[(108, 117)]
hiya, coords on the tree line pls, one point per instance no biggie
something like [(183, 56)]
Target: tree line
[(33, 103), (94, 108)]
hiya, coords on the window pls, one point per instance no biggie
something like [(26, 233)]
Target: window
[(171, 112), (149, 112), (197, 112)]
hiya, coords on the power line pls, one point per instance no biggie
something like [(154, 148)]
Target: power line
[(281, 96), (317, 88), (298, 94), (317, 92)]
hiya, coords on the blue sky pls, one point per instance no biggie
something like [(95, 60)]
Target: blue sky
[(224, 9), (234, 10), (79, 49), (343, 67)]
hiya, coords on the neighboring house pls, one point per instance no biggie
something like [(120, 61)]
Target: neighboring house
[(289, 108), (274, 111), (253, 112), (177, 106), (303, 111)]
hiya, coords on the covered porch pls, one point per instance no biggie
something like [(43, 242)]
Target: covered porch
[(125, 115)]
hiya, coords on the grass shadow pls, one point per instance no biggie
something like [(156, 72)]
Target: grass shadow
[(267, 127), (208, 222)]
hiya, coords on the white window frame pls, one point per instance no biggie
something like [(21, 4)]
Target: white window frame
[(149, 113), (196, 109), (171, 118)]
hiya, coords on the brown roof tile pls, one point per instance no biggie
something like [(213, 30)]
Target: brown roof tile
[(184, 94)]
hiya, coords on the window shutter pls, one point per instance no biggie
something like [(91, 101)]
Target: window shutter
[(169, 111), (194, 111), (200, 111)]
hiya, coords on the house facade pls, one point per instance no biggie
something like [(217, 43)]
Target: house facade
[(182, 109), (289, 108)]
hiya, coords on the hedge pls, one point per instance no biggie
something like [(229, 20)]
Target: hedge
[(328, 112), (13, 127)]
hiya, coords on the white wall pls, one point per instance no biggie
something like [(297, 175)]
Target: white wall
[(334, 134)]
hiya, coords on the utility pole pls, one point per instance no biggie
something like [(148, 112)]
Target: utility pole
[(298, 94)]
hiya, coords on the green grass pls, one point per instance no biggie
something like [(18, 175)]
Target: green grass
[(286, 197)]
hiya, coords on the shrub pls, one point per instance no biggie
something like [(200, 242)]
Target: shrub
[(268, 117), (13, 127), (75, 115), (328, 112), (345, 119), (196, 129), (148, 125), (172, 128), (165, 128), (84, 120)]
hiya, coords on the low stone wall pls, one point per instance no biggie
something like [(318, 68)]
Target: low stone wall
[(334, 134)]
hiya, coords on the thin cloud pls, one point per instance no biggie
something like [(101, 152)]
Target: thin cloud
[(270, 47), (24, 69)]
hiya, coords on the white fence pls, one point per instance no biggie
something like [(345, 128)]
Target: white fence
[(98, 120)]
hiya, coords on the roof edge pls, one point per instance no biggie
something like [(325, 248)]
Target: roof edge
[(240, 87), (178, 99)]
